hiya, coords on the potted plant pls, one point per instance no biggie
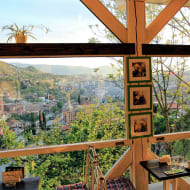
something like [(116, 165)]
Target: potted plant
[(21, 34)]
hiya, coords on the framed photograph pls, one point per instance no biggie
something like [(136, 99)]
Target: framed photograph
[(139, 69), (139, 97), (140, 125)]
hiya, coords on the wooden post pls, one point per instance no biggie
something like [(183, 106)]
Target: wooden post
[(136, 23), (137, 34)]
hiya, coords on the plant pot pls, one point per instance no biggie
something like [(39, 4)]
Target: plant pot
[(21, 39)]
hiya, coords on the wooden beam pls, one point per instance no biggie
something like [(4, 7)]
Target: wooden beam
[(62, 148), (89, 50), (111, 22), (163, 18), (120, 166), (136, 23), (169, 137), (65, 50), (131, 22), (166, 50)]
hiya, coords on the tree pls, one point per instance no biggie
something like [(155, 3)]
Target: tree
[(100, 122), (162, 67), (8, 140), (42, 120), (79, 99)]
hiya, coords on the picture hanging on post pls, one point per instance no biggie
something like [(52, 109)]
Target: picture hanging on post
[(139, 97), (139, 69), (140, 125)]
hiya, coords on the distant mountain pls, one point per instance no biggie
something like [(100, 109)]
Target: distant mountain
[(31, 69), (11, 72), (67, 70)]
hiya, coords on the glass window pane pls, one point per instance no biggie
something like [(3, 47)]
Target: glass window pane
[(118, 9), (61, 100), (66, 21), (171, 94), (177, 29)]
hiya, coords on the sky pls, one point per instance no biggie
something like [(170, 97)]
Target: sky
[(68, 21)]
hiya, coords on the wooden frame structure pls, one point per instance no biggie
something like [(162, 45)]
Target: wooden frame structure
[(135, 41)]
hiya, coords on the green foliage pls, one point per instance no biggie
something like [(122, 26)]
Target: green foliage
[(181, 147), (99, 122), (42, 120), (183, 123), (159, 124)]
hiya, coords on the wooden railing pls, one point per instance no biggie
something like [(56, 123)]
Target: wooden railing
[(84, 146)]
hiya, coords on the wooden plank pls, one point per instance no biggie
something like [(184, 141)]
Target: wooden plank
[(63, 148), (169, 137), (120, 166), (163, 18), (111, 22), (65, 49), (166, 50)]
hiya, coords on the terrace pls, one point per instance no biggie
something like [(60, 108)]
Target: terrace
[(134, 42)]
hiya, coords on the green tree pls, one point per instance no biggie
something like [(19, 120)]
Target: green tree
[(42, 120), (99, 122), (8, 139), (162, 67)]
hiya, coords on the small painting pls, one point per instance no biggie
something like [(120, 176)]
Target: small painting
[(140, 97), (140, 125), (139, 69)]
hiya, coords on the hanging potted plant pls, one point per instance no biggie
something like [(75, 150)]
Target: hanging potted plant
[(21, 34)]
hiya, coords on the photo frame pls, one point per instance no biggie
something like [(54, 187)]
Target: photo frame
[(139, 97), (139, 69), (140, 125)]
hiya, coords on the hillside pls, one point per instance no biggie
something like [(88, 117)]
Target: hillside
[(11, 72), (68, 70)]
